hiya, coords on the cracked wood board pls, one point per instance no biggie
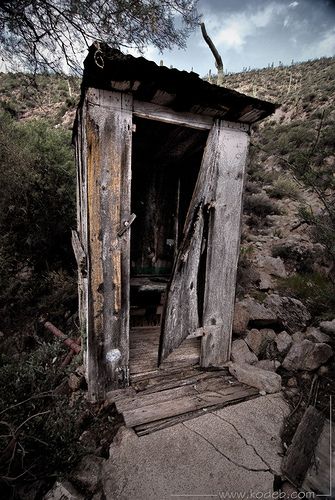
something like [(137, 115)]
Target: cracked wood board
[(142, 430), (198, 387), (186, 404), (299, 454)]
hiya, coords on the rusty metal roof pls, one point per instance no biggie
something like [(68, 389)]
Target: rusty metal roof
[(109, 69)]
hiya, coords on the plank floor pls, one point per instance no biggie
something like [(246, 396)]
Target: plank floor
[(176, 391)]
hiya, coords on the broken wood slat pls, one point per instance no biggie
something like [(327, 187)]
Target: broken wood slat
[(181, 314), (143, 380), (185, 404), (108, 125), (182, 379), (228, 152), (119, 394), (319, 477), (162, 114), (144, 429), (198, 387), (299, 454)]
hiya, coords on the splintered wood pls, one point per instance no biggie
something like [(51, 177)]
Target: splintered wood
[(161, 397)]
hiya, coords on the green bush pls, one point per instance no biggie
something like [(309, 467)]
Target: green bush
[(37, 210), (37, 424), (284, 187), (315, 290)]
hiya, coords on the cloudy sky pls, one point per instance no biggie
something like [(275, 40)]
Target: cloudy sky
[(257, 32)]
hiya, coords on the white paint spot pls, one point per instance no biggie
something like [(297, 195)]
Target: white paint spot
[(113, 356)]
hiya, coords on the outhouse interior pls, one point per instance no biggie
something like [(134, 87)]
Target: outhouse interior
[(161, 157)]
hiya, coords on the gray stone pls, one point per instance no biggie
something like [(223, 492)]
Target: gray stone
[(256, 377), (328, 327), (298, 337), (283, 342), (265, 281), (270, 365), (241, 319), (257, 340), (272, 266), (87, 475), (307, 355), (316, 335), (291, 313), (258, 312), (240, 352), (63, 491)]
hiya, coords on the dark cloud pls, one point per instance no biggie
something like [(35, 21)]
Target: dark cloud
[(259, 32)]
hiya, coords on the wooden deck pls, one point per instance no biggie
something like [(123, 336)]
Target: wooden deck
[(176, 391)]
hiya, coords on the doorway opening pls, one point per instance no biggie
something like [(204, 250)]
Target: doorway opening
[(166, 160)]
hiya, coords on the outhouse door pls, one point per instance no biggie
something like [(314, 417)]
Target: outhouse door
[(201, 294)]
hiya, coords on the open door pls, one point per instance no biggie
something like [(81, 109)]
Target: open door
[(201, 293)]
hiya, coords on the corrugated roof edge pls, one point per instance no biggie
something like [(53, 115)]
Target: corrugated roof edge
[(106, 67)]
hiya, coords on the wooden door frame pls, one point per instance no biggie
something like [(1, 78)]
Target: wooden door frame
[(103, 183)]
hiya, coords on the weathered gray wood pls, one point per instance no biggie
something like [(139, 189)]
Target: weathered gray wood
[(320, 475), (212, 225), (79, 253), (108, 131), (157, 425), (184, 404), (135, 402), (162, 114), (299, 454), (178, 380), (180, 314), (228, 152)]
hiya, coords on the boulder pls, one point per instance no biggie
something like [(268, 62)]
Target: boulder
[(270, 365), (307, 355), (87, 475), (316, 335), (272, 266), (258, 313), (328, 327), (291, 313), (256, 377), (257, 340), (240, 352), (298, 337), (63, 491), (241, 319), (283, 342)]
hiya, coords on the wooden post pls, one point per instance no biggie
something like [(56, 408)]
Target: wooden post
[(105, 190), (229, 153)]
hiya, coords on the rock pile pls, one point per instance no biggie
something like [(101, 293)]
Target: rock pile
[(274, 336)]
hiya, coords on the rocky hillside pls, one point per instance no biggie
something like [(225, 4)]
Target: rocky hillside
[(285, 309)]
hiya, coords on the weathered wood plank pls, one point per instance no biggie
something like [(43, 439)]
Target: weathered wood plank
[(157, 425), (185, 404), (229, 151), (108, 134), (162, 114), (197, 387), (299, 454), (186, 377), (181, 311)]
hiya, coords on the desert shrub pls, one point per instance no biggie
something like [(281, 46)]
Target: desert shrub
[(39, 427), (315, 290), (284, 187), (37, 209), (260, 205)]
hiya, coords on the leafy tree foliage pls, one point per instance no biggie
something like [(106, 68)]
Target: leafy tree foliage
[(39, 34), (37, 210)]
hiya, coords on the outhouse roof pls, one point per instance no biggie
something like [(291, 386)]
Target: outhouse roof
[(109, 69)]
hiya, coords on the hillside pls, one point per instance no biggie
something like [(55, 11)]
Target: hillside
[(286, 274)]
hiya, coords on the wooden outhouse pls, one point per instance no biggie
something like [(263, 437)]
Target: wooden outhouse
[(161, 157)]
